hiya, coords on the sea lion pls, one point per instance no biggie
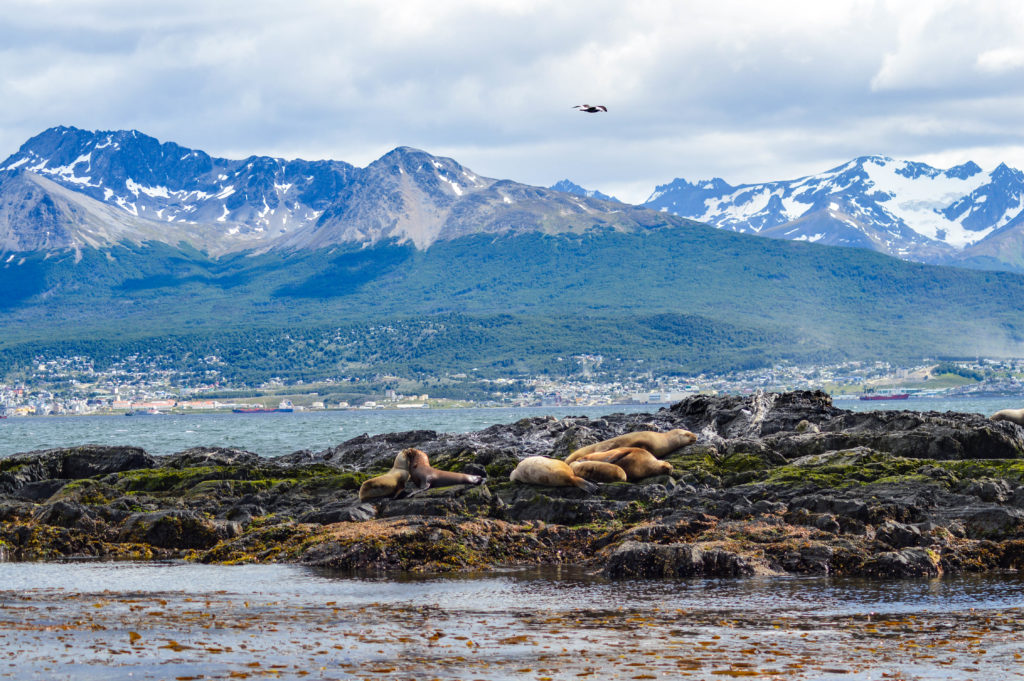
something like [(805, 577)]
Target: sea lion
[(424, 476), (541, 470), (1012, 415), (658, 444), (391, 484), (598, 471), (638, 463)]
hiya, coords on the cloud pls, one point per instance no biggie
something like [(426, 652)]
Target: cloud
[(1001, 60), (746, 90)]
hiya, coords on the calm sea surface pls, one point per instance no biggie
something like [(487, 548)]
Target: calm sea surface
[(277, 434)]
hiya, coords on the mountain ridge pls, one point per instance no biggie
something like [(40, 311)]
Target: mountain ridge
[(907, 209), (262, 202)]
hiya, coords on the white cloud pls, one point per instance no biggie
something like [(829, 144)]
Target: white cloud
[(741, 89), (1001, 60)]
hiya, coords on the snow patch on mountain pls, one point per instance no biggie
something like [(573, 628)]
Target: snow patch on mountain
[(903, 208)]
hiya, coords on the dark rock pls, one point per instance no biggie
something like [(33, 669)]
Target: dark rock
[(364, 451), (475, 469), (987, 489), (732, 417), (826, 522), (40, 490), (422, 506), (810, 559), (174, 529), (340, 513), (995, 522), (764, 507), (913, 562), (244, 513), (640, 559), (14, 511), (69, 463), (213, 456), (564, 510), (64, 514), (1017, 497), (626, 491), (898, 535)]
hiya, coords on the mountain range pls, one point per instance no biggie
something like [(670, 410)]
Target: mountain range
[(115, 244), (959, 216), (69, 188)]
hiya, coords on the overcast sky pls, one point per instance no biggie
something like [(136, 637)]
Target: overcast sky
[(746, 90)]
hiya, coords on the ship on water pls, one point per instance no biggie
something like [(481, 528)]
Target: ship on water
[(885, 396)]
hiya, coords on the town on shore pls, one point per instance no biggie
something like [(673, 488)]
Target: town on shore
[(74, 386)]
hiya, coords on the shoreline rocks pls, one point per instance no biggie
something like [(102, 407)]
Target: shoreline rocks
[(776, 484)]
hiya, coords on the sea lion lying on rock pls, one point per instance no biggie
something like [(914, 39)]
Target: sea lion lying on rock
[(637, 463), (1012, 415), (541, 470), (424, 476), (391, 484), (658, 444), (598, 471)]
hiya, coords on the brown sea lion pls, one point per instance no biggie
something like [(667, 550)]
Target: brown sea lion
[(658, 444), (541, 470), (424, 476), (638, 463), (1012, 415), (598, 471), (391, 484)]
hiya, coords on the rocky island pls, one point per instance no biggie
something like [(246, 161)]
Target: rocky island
[(775, 484)]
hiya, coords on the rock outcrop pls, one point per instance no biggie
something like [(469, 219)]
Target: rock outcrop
[(776, 483)]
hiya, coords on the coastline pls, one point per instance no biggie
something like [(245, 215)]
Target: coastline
[(777, 484)]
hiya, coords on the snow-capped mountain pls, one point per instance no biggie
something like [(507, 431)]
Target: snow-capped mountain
[(907, 209), (78, 187), (251, 199), (570, 187)]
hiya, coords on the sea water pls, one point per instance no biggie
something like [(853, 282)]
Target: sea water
[(274, 434), (185, 621)]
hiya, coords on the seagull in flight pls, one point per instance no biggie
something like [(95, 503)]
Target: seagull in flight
[(591, 108)]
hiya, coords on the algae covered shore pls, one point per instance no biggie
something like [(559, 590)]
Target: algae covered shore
[(776, 484)]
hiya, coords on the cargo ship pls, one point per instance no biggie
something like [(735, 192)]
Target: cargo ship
[(886, 396)]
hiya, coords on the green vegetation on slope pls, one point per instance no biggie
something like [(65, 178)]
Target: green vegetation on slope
[(689, 297)]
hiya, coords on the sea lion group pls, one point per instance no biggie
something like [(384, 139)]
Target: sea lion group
[(414, 465), (628, 457), (632, 456)]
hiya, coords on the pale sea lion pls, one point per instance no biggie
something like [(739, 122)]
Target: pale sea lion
[(1012, 415), (638, 463), (391, 484), (424, 476), (658, 444), (541, 470), (598, 471)]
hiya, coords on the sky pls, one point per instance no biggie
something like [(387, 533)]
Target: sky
[(745, 90)]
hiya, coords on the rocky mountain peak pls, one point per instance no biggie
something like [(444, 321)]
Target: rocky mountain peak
[(903, 208)]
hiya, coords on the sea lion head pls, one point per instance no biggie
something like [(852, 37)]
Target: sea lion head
[(682, 436), (406, 459)]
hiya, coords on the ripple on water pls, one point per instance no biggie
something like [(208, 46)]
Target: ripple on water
[(177, 620)]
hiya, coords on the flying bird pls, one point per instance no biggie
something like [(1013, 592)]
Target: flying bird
[(591, 108)]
